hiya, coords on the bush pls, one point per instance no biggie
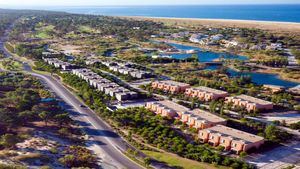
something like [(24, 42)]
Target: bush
[(243, 154), (147, 160), (295, 126), (77, 156), (7, 166), (8, 140)]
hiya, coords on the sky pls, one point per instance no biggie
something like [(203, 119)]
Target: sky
[(136, 2)]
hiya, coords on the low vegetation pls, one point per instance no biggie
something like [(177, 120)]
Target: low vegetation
[(26, 111)]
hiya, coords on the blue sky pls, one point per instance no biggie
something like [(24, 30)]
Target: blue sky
[(136, 2)]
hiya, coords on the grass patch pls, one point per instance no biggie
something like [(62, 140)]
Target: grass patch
[(8, 166), (179, 162), (10, 64), (86, 29), (45, 32), (71, 35)]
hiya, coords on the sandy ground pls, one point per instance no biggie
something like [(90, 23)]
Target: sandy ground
[(69, 49), (278, 27)]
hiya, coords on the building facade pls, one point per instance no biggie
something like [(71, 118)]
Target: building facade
[(201, 119), (205, 93), (249, 103), (229, 138), (170, 86), (166, 108)]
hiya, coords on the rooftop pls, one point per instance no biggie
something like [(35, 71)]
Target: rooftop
[(253, 99), (273, 86), (172, 105), (234, 133), (170, 82), (210, 90), (207, 116)]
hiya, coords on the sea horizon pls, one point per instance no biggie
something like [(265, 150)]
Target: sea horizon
[(289, 13)]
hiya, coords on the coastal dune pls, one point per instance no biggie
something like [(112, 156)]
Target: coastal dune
[(276, 27)]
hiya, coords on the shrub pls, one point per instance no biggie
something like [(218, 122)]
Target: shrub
[(7, 166), (77, 156), (8, 140)]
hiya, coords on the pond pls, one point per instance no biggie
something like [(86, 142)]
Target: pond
[(204, 56), (208, 56), (264, 78)]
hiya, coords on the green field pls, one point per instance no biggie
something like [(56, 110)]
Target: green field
[(86, 29), (45, 32), (9, 64), (176, 161)]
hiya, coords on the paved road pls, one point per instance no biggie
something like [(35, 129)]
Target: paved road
[(4, 38), (104, 141), (101, 134), (278, 158)]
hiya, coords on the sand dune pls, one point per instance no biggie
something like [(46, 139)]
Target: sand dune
[(276, 27)]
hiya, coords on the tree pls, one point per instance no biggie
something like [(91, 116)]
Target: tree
[(62, 119), (8, 119), (274, 134), (26, 116), (147, 161), (8, 140), (243, 154), (78, 156), (45, 115)]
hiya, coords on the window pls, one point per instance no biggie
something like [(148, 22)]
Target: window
[(223, 141)]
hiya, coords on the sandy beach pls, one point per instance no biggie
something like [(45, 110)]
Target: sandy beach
[(276, 27)]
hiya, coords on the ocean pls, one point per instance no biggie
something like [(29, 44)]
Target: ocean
[(280, 13)]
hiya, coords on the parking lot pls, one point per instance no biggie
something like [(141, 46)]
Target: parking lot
[(277, 158)]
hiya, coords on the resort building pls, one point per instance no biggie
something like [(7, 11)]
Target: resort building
[(126, 69), (104, 85), (229, 138), (274, 88), (201, 119), (250, 103), (91, 61), (217, 37), (205, 93), (166, 108), (170, 86), (196, 38), (275, 46), (229, 44), (59, 64)]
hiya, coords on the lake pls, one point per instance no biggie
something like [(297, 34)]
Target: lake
[(204, 56), (208, 56)]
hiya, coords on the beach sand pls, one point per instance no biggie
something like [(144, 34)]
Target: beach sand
[(276, 27)]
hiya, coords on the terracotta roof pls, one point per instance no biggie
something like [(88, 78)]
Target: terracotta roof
[(207, 116), (170, 82), (234, 133), (172, 105), (253, 99), (210, 90)]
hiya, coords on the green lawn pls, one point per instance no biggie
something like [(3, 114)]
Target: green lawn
[(45, 32), (9, 64), (86, 29), (176, 161)]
